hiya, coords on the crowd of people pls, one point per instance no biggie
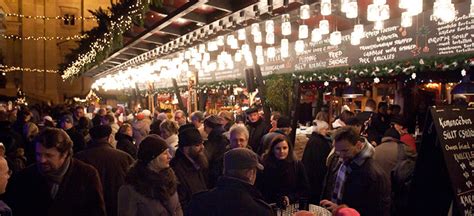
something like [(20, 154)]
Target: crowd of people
[(111, 161)]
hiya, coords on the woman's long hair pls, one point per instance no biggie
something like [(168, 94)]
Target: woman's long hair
[(269, 155)]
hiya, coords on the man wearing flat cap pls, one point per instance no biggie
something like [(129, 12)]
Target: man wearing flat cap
[(257, 129), (190, 164), (235, 193), (216, 146), (112, 164)]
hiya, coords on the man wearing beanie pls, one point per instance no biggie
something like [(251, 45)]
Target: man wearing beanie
[(190, 164), (257, 128), (235, 193), (112, 164), (151, 185), (216, 146)]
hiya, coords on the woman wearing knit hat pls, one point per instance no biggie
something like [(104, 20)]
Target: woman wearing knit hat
[(151, 185)]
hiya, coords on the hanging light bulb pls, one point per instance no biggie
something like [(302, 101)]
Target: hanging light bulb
[(324, 26), (206, 57), (202, 48), (355, 39), (270, 38), (284, 48), (352, 10), (471, 13), (220, 40), (241, 34), (403, 4), (384, 12), (269, 26), (406, 20), (303, 32), (234, 44), (378, 25), (416, 7), (316, 35), (444, 10), (304, 12), (359, 30), (245, 48), (325, 7), (212, 46), (271, 52), (259, 51), (285, 25), (299, 46), (344, 5), (238, 56), (249, 60), (257, 37), (335, 38), (372, 12), (255, 28), (230, 39)]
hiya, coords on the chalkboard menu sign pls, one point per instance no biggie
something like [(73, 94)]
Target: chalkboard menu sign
[(455, 129), (426, 38)]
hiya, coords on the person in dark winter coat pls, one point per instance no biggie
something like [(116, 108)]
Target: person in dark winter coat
[(235, 193), (151, 185), (124, 139), (112, 164), (216, 146), (284, 179), (380, 123), (314, 158), (257, 128), (190, 164), (57, 184), (77, 138), (354, 178)]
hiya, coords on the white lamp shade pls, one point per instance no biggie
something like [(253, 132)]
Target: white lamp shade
[(271, 52), (316, 35), (299, 46), (304, 12), (303, 32), (270, 38), (335, 38), (284, 48), (324, 26)]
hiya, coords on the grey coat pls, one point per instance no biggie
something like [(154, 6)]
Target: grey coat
[(132, 203)]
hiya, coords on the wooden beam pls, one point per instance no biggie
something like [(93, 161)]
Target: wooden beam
[(223, 5), (172, 31)]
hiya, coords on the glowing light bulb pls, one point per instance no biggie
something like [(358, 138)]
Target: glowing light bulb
[(284, 48), (324, 26), (303, 32), (335, 38), (316, 35)]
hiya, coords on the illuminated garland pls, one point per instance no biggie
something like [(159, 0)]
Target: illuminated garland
[(6, 68), (16, 37), (105, 43), (90, 18)]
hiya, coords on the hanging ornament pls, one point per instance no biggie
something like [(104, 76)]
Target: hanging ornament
[(355, 39), (324, 26), (415, 7), (304, 12), (270, 38), (299, 46), (413, 75), (421, 62), (406, 20), (303, 32), (352, 10), (257, 37), (271, 52), (220, 40), (285, 25), (269, 26), (316, 35), (284, 48), (463, 72), (335, 38), (359, 30), (471, 13), (444, 10), (326, 83), (376, 80), (325, 7), (241, 35), (255, 28)]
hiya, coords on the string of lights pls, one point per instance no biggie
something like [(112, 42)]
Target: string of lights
[(90, 18), (38, 38), (122, 24), (6, 69)]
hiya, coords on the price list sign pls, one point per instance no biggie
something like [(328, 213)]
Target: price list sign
[(455, 129)]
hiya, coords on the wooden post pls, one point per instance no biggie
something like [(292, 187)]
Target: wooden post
[(295, 110), (178, 95)]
